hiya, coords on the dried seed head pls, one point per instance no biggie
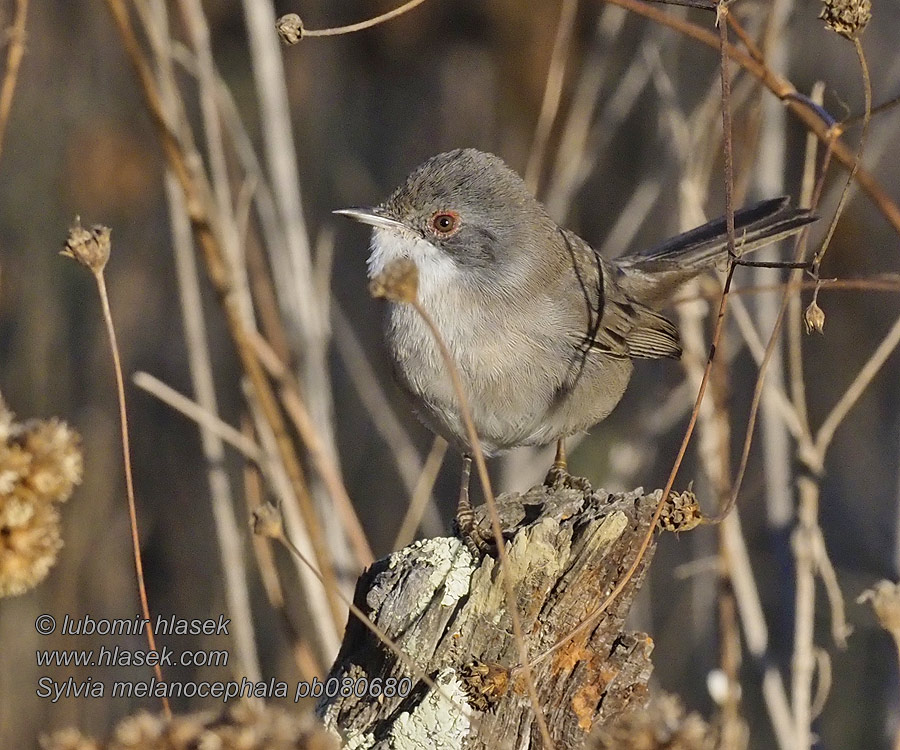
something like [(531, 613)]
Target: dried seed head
[(398, 282), (15, 463), (29, 542), (485, 684), (814, 318), (290, 28), (90, 247), (848, 18), (885, 599), (68, 739), (40, 464), (56, 460), (266, 521), (681, 512)]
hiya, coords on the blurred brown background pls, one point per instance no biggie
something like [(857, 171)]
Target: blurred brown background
[(366, 109)]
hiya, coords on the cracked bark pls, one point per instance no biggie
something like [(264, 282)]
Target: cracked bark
[(447, 612)]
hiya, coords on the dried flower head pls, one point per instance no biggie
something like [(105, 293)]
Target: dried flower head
[(266, 521), (29, 542), (398, 282), (290, 28), (90, 247), (814, 318), (681, 512), (40, 464), (14, 465), (885, 599), (56, 460), (68, 739), (848, 18)]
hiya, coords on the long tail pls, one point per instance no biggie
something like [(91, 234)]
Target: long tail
[(661, 269), (754, 227)]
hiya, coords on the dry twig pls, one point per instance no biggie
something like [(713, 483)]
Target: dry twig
[(91, 248), (13, 63)]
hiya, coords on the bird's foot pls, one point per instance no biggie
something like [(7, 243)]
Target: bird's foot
[(478, 541), (559, 478)]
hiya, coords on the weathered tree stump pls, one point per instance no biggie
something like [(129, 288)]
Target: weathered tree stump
[(567, 549)]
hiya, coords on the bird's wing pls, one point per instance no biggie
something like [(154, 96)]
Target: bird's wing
[(604, 319)]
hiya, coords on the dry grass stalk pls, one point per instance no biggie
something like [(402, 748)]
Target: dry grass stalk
[(202, 213), (13, 63), (553, 88), (305, 656), (91, 249), (421, 494), (222, 502), (291, 29), (294, 405)]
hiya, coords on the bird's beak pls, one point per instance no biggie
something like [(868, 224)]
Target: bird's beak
[(373, 216)]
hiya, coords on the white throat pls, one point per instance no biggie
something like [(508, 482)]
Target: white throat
[(436, 270)]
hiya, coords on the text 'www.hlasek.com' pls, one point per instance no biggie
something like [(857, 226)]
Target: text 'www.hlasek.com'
[(117, 645)]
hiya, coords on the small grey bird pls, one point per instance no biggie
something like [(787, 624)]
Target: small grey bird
[(542, 328)]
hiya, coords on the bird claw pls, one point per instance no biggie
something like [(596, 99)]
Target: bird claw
[(559, 478), (477, 540)]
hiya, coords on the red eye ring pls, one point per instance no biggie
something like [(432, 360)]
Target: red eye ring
[(445, 222)]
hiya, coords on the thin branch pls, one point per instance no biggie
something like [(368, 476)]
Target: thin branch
[(300, 415), (845, 193), (840, 410), (306, 658), (591, 618), (770, 347), (553, 86), (129, 480), (13, 62), (794, 312), (230, 542), (292, 29), (192, 410), (496, 527), (814, 118)]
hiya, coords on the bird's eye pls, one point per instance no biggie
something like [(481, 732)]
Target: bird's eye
[(445, 222)]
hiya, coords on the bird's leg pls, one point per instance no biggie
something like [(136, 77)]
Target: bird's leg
[(560, 462), (474, 539), (558, 473), (559, 477)]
